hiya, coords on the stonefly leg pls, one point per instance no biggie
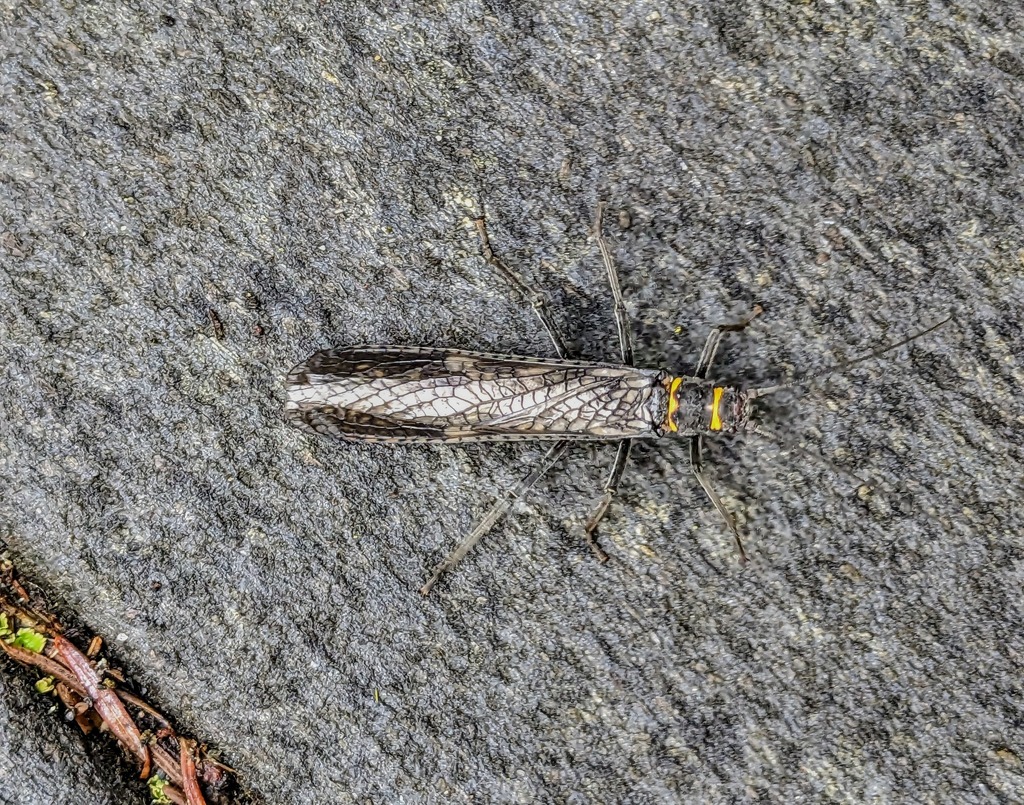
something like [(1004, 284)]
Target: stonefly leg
[(540, 305), (707, 355), (610, 488), (626, 351), (707, 358), (537, 299), (621, 315), (554, 453), (697, 465)]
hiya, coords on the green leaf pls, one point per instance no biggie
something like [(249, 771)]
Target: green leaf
[(156, 790), (45, 685), (5, 629), (29, 639)]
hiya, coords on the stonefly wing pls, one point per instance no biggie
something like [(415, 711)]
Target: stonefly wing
[(421, 394)]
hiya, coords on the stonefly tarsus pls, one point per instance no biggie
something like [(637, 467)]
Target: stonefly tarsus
[(396, 394)]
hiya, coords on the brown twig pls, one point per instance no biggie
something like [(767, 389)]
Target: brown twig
[(98, 702), (188, 771), (45, 664), (110, 708)]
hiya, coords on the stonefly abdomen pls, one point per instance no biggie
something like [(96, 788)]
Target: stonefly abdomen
[(396, 394)]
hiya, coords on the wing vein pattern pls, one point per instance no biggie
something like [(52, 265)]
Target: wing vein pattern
[(422, 394)]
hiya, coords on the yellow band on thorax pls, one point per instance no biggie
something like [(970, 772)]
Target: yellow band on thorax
[(673, 404), (716, 419)]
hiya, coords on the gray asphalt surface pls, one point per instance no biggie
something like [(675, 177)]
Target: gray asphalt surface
[(309, 173)]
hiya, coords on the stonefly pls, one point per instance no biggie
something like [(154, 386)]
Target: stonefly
[(398, 395)]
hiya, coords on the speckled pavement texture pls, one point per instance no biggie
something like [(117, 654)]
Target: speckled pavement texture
[(309, 173)]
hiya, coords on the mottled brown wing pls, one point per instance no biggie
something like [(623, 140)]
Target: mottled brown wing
[(421, 394)]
